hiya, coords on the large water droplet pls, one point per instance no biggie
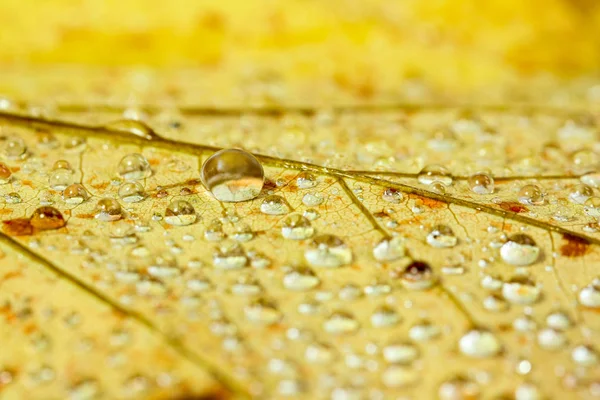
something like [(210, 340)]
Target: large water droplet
[(580, 193), (47, 218), (134, 166), (328, 251), (520, 250), (233, 175)]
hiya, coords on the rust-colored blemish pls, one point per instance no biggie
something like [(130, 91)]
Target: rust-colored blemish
[(574, 246), (85, 216), (192, 182), (101, 185), (218, 393), (17, 227), (4, 211), (381, 214), (269, 185), (431, 203), (154, 162), (513, 206), (27, 182), (11, 275), (15, 169)]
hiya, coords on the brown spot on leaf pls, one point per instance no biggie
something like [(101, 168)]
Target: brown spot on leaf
[(269, 185), (431, 203), (512, 206), (100, 186), (574, 246), (17, 227)]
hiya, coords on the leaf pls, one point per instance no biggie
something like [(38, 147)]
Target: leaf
[(368, 304)]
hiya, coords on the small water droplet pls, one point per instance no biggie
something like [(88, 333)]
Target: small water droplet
[(233, 175), (519, 250), (133, 127), (442, 236), (585, 355), (479, 344), (297, 227), (230, 255), (15, 148), (589, 296), (274, 205), (384, 316), (435, 173), (340, 322), (312, 199), (400, 353), (180, 213), (389, 249), (481, 183), (580, 193), (108, 210), (459, 388), (134, 166), (214, 231), (592, 207), (551, 339), (4, 174), (521, 291), (328, 251), (311, 214), (392, 195), (75, 194), (531, 195), (131, 192), (262, 311), (300, 279), (306, 180), (417, 276)]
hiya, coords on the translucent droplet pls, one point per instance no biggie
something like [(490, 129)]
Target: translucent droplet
[(180, 213), (214, 231), (306, 180), (438, 188), (481, 183), (521, 291), (233, 175), (558, 320), (4, 174), (108, 210), (311, 214), (274, 205), (384, 316), (459, 388), (133, 127), (389, 249), (134, 166), (417, 276), (85, 390), (398, 376), (392, 195), (400, 353), (47, 218), (479, 344), (263, 312), (297, 227), (585, 356), (328, 251), (435, 173), (495, 303), (551, 339), (300, 279), (60, 178), (591, 179), (519, 250), (589, 296), (580, 193), (319, 353), (442, 236), (230, 255), (424, 331), (312, 199), (75, 194), (592, 207), (15, 148), (340, 322), (131, 192), (531, 195)]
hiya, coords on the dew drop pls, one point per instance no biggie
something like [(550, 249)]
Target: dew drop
[(85, 390), (297, 227), (214, 231), (131, 192), (531, 195), (134, 166), (519, 250), (520, 291), (423, 331), (319, 353), (262, 311), (389, 249), (592, 207), (551, 339), (580, 193), (108, 210), (591, 179), (340, 322), (392, 195), (312, 199), (585, 356), (4, 174), (479, 343), (306, 180), (589, 296), (311, 214), (180, 213), (459, 388), (233, 175), (495, 303), (384, 316), (300, 279), (481, 183), (47, 218), (133, 127), (417, 276), (328, 251), (435, 173), (398, 376), (274, 205), (442, 236), (558, 320), (230, 255), (400, 353), (15, 148), (60, 178)]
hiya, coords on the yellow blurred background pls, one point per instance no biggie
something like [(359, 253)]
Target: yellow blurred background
[(367, 45)]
